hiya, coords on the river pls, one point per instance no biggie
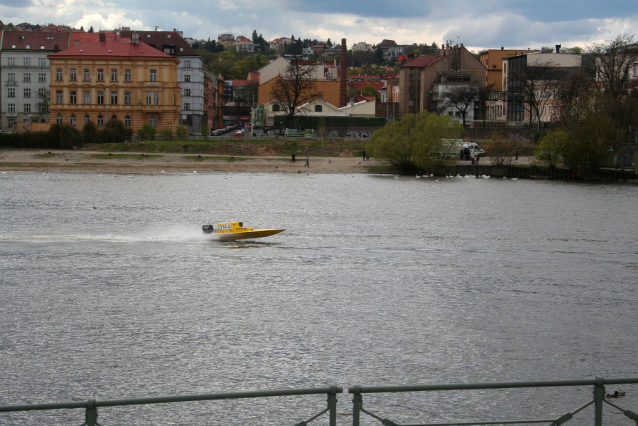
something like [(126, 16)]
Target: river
[(109, 290)]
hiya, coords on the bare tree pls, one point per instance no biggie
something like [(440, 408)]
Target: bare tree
[(615, 61), (537, 85), (296, 87), (461, 97)]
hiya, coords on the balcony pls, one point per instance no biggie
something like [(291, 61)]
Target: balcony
[(11, 83), (152, 84)]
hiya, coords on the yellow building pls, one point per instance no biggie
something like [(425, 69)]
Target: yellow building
[(492, 60), (114, 77)]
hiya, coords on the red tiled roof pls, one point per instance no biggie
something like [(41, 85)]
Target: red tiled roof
[(243, 39), (22, 39), (158, 39), (113, 47), (421, 61)]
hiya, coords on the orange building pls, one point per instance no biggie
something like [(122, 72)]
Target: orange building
[(114, 77), (328, 91), (492, 60)]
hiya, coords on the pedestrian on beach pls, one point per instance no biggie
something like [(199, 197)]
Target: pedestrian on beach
[(364, 155), (307, 162)]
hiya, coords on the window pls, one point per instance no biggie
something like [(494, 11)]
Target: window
[(73, 97), (275, 108), (72, 121), (27, 93), (127, 121), (187, 106), (26, 107), (42, 108), (187, 92), (11, 92), (155, 98), (153, 75), (100, 120), (11, 76), (58, 74), (58, 97), (153, 121), (87, 74), (58, 118), (42, 77), (42, 62), (100, 75), (100, 97), (11, 62), (113, 97), (187, 77), (148, 98), (114, 74), (187, 64), (127, 98), (114, 117), (127, 75), (86, 118), (11, 108), (26, 77), (26, 62), (87, 97), (318, 108), (72, 75), (41, 93)]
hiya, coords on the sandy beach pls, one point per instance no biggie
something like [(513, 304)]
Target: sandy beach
[(137, 162)]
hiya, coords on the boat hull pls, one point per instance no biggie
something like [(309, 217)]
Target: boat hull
[(255, 233)]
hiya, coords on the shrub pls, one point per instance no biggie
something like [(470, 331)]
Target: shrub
[(166, 133), (181, 132)]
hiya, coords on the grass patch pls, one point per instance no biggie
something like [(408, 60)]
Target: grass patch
[(124, 156)]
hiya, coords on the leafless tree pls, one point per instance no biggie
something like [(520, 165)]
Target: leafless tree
[(296, 87), (461, 97), (537, 85), (616, 62)]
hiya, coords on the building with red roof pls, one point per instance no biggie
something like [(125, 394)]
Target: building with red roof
[(25, 76), (115, 77)]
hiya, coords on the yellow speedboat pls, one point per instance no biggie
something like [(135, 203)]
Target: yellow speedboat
[(231, 231)]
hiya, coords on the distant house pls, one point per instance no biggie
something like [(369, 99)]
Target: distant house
[(244, 44), (279, 44)]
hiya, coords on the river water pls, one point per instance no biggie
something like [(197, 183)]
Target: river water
[(109, 290)]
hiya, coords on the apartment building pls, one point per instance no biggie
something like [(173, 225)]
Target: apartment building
[(114, 77), (421, 79), (190, 74), (492, 60), (25, 76)]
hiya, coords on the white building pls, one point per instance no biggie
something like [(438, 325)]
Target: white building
[(25, 75)]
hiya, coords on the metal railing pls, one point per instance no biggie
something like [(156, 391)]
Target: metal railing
[(598, 401), (92, 405)]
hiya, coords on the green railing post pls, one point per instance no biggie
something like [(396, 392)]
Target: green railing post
[(357, 402), (332, 405), (599, 398), (90, 418)]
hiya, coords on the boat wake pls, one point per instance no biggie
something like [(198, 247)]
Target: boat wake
[(176, 234)]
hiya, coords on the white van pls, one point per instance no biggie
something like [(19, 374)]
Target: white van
[(456, 148)]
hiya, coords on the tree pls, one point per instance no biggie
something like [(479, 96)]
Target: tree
[(615, 62), (502, 149), (415, 142), (461, 97), (553, 147), (536, 84), (296, 87)]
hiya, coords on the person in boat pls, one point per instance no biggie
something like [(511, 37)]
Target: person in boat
[(616, 394)]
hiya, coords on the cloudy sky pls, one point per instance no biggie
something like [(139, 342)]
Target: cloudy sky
[(477, 24)]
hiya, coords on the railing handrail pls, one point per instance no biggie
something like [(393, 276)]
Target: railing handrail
[(174, 398), (494, 385)]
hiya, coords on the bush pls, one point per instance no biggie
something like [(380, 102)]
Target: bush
[(64, 136), (166, 133), (147, 133), (181, 132)]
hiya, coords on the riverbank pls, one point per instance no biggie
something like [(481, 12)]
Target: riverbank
[(140, 162)]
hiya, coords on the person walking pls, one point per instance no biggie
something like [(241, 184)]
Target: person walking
[(307, 162), (364, 155)]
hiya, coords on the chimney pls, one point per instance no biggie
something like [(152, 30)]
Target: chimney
[(343, 91), (56, 48), (102, 36), (135, 38)]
